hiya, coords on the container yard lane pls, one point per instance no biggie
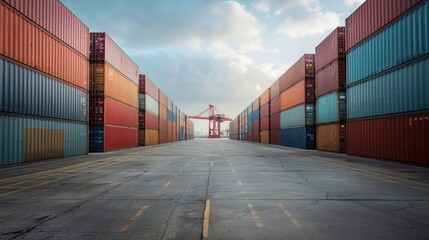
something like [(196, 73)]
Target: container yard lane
[(214, 189)]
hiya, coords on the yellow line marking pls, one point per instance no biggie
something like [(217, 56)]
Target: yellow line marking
[(255, 216), (206, 219), (140, 212), (239, 183), (289, 215), (167, 184), (211, 163), (125, 228)]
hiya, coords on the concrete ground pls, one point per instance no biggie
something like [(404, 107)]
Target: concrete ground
[(214, 189)]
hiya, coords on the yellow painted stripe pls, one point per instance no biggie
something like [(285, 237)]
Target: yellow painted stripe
[(255, 216), (239, 183), (289, 215), (125, 228), (140, 212), (206, 219), (167, 184)]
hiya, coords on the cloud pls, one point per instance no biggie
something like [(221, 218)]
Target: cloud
[(264, 5), (353, 2), (306, 25), (280, 6)]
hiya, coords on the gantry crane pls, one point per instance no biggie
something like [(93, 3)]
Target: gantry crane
[(215, 118)]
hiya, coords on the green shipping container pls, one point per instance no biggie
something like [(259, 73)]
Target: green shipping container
[(302, 115)]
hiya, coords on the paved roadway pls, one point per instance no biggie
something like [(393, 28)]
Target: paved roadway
[(214, 189)]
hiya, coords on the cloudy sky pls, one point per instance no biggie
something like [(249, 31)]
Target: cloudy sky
[(202, 52)]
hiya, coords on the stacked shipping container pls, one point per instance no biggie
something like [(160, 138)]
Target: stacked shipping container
[(275, 113), (148, 112), (264, 113), (44, 94), (163, 117), (255, 120), (330, 93)]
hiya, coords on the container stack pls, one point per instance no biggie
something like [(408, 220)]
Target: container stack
[(163, 117), (174, 123), (331, 116), (264, 113), (148, 112), (44, 93), (169, 121), (113, 105), (190, 130), (243, 125), (387, 71), (255, 120), (275, 113), (249, 132), (234, 128), (297, 100)]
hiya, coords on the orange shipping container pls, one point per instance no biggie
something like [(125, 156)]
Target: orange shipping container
[(265, 137), (264, 98), (163, 100), (255, 104), (105, 80), (331, 138), (298, 94), (163, 111), (148, 137), (37, 49)]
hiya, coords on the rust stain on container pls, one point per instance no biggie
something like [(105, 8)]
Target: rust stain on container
[(331, 138), (43, 144)]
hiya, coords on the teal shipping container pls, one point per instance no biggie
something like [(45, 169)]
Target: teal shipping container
[(403, 90), (301, 115), (25, 139), (403, 41), (147, 103), (331, 108), (302, 137)]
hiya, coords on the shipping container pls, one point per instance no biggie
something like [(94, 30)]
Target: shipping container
[(162, 137), (372, 16), (255, 127), (30, 46), (403, 90), (163, 125), (23, 91), (148, 87), (104, 49), (275, 105), (163, 112), (330, 49), (302, 92), (265, 137), (163, 100), (302, 69), (148, 104), (255, 105), (255, 137), (255, 115), (275, 121), (148, 137), (24, 139), (111, 112), (120, 138), (265, 97), (303, 137), (106, 81), (331, 108), (302, 115), (275, 89), (265, 124), (275, 136), (331, 138), (399, 138), (265, 110), (331, 78), (401, 42), (55, 18), (148, 121)]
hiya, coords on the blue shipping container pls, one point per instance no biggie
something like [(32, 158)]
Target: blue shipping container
[(23, 91), (404, 90), (170, 115), (331, 108), (303, 137), (301, 115), (403, 41), (29, 139), (96, 138), (255, 115)]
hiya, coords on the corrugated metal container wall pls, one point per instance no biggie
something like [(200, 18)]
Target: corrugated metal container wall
[(255, 105), (371, 16), (404, 40), (24, 91), (331, 78), (303, 68), (54, 17), (275, 121), (116, 138), (265, 137), (255, 115), (148, 137), (256, 137), (119, 114), (299, 93), (25, 139), (398, 138), (148, 121), (264, 98), (163, 112), (403, 90), (163, 100), (302, 115), (303, 137), (148, 87), (331, 108), (105, 80), (275, 105), (265, 110), (330, 49), (148, 104), (331, 138), (103, 48), (265, 124), (275, 89), (29, 47), (275, 136)]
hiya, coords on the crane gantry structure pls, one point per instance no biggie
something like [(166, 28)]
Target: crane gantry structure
[(215, 118)]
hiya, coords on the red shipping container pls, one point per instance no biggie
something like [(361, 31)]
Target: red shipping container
[(302, 69), (148, 87), (162, 137), (116, 138), (265, 110), (275, 105), (163, 100), (265, 124), (331, 78), (148, 121), (22, 41), (162, 124), (275, 89), (399, 138), (108, 111), (249, 137), (55, 18), (330, 49), (255, 126), (275, 120), (104, 49), (255, 137), (169, 137), (372, 16), (275, 136)]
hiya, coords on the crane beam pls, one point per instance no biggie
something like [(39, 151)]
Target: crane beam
[(215, 118)]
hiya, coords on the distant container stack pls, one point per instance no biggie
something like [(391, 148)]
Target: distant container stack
[(113, 94), (264, 113), (44, 94), (149, 112), (330, 65), (297, 98), (387, 80), (275, 113), (234, 128), (163, 117), (255, 120)]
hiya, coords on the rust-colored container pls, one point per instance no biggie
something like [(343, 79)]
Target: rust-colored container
[(331, 78), (148, 137), (373, 15), (106, 81), (275, 136), (104, 49), (298, 94), (331, 138), (162, 112), (255, 105), (275, 120), (330, 49), (38, 50), (108, 111), (255, 126), (302, 69), (265, 110), (163, 125), (265, 137), (120, 138), (265, 97), (400, 138), (265, 124), (148, 87), (148, 121), (162, 137), (256, 137), (275, 89), (275, 105), (163, 100), (55, 18)]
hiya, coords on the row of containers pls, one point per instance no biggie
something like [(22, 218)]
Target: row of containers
[(63, 93), (364, 92)]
